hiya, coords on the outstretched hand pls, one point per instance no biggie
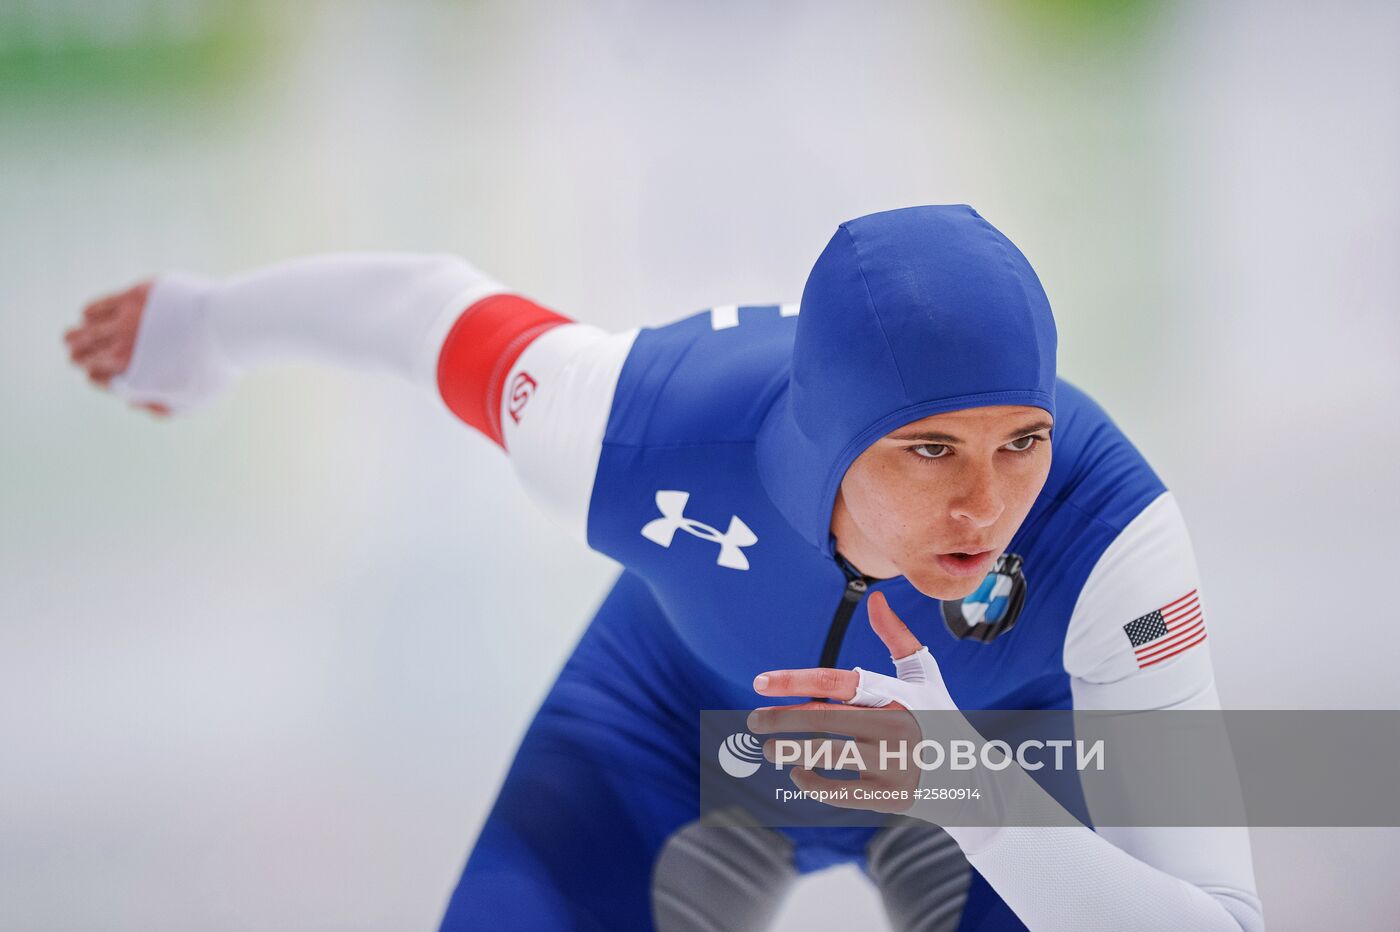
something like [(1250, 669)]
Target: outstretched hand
[(827, 683), (919, 687), (102, 343)]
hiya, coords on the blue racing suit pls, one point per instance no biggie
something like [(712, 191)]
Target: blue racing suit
[(705, 456), (725, 438)]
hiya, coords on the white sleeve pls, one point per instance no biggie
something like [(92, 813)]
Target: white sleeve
[(1132, 877), (532, 380), (554, 410), (369, 311)]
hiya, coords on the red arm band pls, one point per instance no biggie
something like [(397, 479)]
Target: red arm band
[(480, 349)]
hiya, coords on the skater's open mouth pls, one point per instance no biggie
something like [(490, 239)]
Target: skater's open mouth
[(963, 563)]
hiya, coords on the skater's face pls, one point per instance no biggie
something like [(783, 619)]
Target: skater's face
[(955, 483)]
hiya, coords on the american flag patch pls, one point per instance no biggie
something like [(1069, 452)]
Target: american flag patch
[(1167, 631)]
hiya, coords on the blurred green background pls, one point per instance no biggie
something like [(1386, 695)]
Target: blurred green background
[(264, 667)]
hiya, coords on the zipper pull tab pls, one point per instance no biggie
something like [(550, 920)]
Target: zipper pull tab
[(855, 588)]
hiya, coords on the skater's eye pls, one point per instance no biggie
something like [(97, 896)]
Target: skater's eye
[(937, 451), (929, 451)]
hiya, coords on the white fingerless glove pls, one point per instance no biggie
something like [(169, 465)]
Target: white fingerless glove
[(918, 684), (175, 361)]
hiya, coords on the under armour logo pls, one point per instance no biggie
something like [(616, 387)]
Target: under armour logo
[(731, 543)]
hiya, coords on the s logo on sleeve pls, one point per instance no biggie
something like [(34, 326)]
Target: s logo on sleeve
[(522, 389)]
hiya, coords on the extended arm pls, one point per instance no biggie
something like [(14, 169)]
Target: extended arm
[(533, 381), (373, 312)]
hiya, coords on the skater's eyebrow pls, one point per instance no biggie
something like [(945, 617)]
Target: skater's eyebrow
[(933, 436)]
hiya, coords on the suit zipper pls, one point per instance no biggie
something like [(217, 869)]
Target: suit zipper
[(856, 586)]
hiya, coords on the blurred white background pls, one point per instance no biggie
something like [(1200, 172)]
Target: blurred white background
[(264, 668)]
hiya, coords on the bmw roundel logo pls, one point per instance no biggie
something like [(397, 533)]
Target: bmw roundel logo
[(991, 611)]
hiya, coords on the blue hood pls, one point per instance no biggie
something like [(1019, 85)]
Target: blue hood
[(906, 313)]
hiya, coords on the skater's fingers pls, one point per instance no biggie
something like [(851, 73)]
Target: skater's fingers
[(817, 682)]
